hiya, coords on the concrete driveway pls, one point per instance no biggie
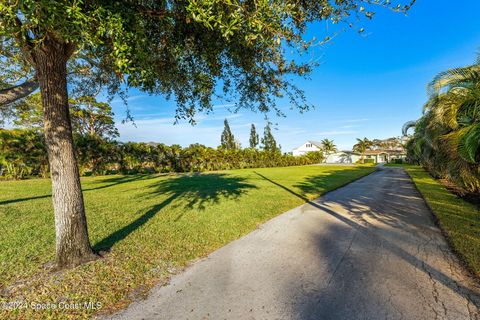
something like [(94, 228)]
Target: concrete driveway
[(369, 250)]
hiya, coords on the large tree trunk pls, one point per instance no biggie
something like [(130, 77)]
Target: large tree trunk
[(72, 243)]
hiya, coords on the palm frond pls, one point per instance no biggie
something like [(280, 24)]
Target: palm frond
[(455, 77)]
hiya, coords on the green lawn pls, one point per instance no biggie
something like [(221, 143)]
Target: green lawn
[(151, 225), (459, 219)]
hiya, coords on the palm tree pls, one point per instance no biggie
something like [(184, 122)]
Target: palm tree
[(447, 137), (361, 146), (455, 107), (328, 147), (408, 125)]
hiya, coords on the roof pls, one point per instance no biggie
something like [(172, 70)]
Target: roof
[(315, 143), (376, 152)]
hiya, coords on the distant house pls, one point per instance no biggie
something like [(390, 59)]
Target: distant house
[(309, 146), (385, 156), (378, 156), (343, 157), (346, 156)]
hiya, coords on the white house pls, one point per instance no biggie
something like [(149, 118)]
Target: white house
[(378, 155), (309, 146), (343, 157)]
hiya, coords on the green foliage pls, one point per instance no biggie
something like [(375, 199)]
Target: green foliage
[(28, 112), (447, 137), (361, 146), (269, 143), (22, 153), (90, 117), (328, 146), (181, 48), (97, 156), (227, 138), (153, 224), (368, 161), (254, 140)]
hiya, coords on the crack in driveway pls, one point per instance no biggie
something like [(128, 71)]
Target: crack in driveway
[(368, 250)]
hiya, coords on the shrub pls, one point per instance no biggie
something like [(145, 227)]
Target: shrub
[(102, 156)]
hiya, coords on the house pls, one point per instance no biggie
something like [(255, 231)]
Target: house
[(343, 157), (309, 146), (377, 154)]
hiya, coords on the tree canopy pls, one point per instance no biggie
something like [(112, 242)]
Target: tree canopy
[(188, 49), (328, 146), (227, 138), (362, 145), (253, 140), (183, 48), (268, 141), (88, 116), (447, 137)]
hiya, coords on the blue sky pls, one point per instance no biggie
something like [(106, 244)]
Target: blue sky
[(366, 85)]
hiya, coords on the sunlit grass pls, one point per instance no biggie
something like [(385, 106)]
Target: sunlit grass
[(150, 225), (459, 219)]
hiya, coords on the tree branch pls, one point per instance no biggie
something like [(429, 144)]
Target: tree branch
[(25, 43), (17, 92)]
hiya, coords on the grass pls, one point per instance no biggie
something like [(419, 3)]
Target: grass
[(151, 226), (397, 165), (458, 219)]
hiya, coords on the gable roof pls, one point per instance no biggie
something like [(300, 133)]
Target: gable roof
[(315, 143), (389, 152)]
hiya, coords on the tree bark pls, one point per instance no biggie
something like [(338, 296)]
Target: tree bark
[(20, 91), (72, 243)]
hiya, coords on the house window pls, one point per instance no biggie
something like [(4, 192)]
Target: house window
[(308, 145)]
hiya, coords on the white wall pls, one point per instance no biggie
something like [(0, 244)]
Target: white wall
[(342, 157), (304, 149)]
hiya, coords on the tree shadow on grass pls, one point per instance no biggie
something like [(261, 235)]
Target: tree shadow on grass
[(193, 191), (282, 186), (110, 183), (320, 183)]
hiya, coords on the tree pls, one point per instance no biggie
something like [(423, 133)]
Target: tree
[(227, 138), (253, 137), (361, 146), (328, 147), (162, 47), (90, 117), (22, 153), (268, 140), (446, 140), (28, 113)]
